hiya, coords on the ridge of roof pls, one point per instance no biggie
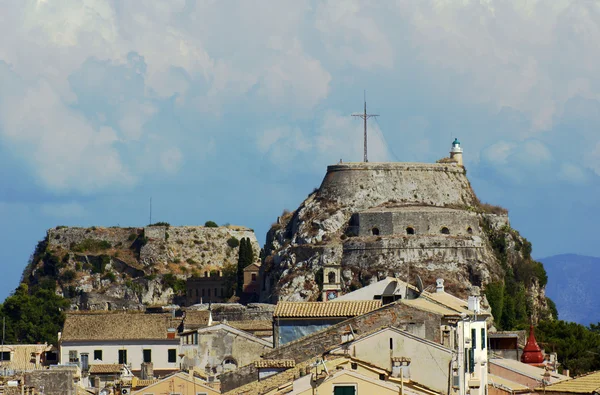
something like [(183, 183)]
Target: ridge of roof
[(347, 308)]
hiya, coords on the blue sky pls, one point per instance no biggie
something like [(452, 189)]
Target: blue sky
[(230, 111)]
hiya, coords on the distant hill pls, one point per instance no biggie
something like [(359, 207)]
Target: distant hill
[(573, 284)]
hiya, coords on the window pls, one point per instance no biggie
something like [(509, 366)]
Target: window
[(123, 357), (147, 355), (381, 376), (216, 292), (196, 292), (470, 230), (253, 277), (5, 356), (391, 343), (202, 292), (73, 356), (208, 291), (51, 356), (482, 338), (474, 338), (172, 355), (375, 231), (410, 230), (97, 355), (445, 231), (84, 361), (331, 278), (344, 390)]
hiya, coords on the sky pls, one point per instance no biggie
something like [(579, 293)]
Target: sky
[(231, 110)]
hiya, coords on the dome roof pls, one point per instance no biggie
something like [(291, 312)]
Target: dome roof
[(456, 142), (532, 353)]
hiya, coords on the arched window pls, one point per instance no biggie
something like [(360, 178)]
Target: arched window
[(410, 230), (375, 231), (470, 230), (445, 231), (331, 278)]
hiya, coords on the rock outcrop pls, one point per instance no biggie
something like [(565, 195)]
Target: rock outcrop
[(130, 268), (394, 219)]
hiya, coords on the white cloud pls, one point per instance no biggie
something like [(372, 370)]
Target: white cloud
[(68, 153)]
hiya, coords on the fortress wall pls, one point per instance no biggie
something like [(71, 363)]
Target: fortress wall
[(68, 236), (365, 185), (423, 221)]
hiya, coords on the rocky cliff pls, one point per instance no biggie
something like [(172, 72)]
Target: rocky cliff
[(116, 268), (398, 219)]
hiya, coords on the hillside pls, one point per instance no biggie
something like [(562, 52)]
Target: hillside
[(404, 220), (571, 279), (115, 268)]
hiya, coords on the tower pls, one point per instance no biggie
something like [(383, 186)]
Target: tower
[(456, 152), (332, 282)]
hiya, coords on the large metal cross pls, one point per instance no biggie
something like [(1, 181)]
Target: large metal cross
[(365, 116)]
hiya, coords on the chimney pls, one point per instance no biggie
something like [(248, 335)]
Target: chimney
[(439, 285), (474, 300), (171, 333), (147, 371)]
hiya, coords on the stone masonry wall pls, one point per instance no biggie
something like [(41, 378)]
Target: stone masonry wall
[(371, 184)]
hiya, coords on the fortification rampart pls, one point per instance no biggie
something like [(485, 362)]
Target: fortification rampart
[(416, 221), (365, 185)]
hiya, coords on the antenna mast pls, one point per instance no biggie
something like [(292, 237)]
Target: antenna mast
[(150, 223), (365, 116)]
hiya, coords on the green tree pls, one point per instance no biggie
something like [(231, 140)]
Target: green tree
[(211, 224), (33, 316), (245, 258)]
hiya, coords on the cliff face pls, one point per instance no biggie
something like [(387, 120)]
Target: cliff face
[(393, 219), (115, 268)]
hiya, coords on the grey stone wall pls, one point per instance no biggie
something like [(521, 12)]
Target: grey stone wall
[(54, 381), (371, 184), (423, 220)]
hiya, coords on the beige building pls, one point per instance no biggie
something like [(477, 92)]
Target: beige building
[(220, 348), (130, 339), (177, 384), (399, 352), (18, 358)]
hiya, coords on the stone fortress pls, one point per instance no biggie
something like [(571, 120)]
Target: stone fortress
[(384, 219)]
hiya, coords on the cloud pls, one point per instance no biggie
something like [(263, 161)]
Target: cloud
[(67, 152), (337, 137)]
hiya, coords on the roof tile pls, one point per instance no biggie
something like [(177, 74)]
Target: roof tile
[(349, 308)]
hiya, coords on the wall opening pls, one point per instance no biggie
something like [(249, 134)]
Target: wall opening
[(410, 230), (375, 231), (445, 231), (331, 278), (470, 230)]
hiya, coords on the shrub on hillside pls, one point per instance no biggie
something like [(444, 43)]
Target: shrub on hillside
[(211, 224)]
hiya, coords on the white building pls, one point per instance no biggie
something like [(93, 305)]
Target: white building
[(131, 339)]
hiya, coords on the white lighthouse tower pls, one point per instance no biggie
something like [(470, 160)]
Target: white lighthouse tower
[(456, 152)]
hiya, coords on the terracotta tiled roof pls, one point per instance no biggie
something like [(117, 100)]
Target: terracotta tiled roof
[(587, 384), (251, 326), (275, 363), (265, 385), (105, 368), (195, 319), (115, 326), (23, 356), (325, 309)]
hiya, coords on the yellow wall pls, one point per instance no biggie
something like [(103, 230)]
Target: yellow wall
[(177, 384), (364, 386)]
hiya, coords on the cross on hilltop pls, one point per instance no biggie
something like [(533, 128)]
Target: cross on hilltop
[(365, 116)]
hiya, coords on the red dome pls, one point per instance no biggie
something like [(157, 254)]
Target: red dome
[(532, 353)]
